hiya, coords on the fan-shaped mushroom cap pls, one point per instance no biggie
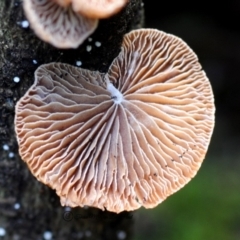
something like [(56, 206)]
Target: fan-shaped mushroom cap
[(127, 139), (60, 26), (98, 8)]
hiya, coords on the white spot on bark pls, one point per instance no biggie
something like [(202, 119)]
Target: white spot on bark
[(67, 209), (24, 24), (11, 155), (78, 63), (121, 235), (2, 232), (89, 48), (98, 44), (16, 79), (47, 235), (5, 147), (16, 206)]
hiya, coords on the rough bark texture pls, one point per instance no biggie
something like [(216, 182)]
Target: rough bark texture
[(28, 208)]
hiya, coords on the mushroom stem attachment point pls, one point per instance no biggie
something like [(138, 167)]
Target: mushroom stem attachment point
[(116, 95)]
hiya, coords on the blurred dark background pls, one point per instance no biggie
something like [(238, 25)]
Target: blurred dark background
[(214, 35), (209, 206)]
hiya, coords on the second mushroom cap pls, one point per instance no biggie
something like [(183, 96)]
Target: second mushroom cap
[(58, 25)]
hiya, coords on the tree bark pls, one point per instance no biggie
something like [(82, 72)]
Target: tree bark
[(29, 209)]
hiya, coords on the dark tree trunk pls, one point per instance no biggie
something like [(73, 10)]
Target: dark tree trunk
[(28, 209)]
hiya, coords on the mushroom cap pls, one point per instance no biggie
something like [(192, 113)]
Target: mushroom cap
[(98, 8), (60, 26), (122, 140)]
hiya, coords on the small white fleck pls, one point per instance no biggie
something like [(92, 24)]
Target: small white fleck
[(16, 79), (89, 39), (17, 206), (98, 44), (5, 147), (25, 24), (11, 155), (67, 209), (121, 235), (2, 232), (78, 63), (88, 233), (142, 4), (88, 48), (47, 235), (35, 61)]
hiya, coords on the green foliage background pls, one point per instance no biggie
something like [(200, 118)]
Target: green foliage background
[(207, 208)]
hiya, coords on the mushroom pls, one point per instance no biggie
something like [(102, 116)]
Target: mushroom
[(63, 3), (124, 139), (58, 24), (98, 8)]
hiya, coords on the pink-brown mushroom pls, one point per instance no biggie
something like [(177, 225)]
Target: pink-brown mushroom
[(122, 140), (58, 25), (98, 8), (63, 3)]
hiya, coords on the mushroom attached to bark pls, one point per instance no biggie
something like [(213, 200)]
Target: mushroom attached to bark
[(98, 8), (57, 24), (123, 140)]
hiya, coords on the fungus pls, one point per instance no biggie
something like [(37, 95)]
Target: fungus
[(98, 8), (122, 140), (58, 24), (63, 3)]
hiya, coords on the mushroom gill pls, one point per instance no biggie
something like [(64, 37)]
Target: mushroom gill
[(122, 140), (63, 3), (57, 23)]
